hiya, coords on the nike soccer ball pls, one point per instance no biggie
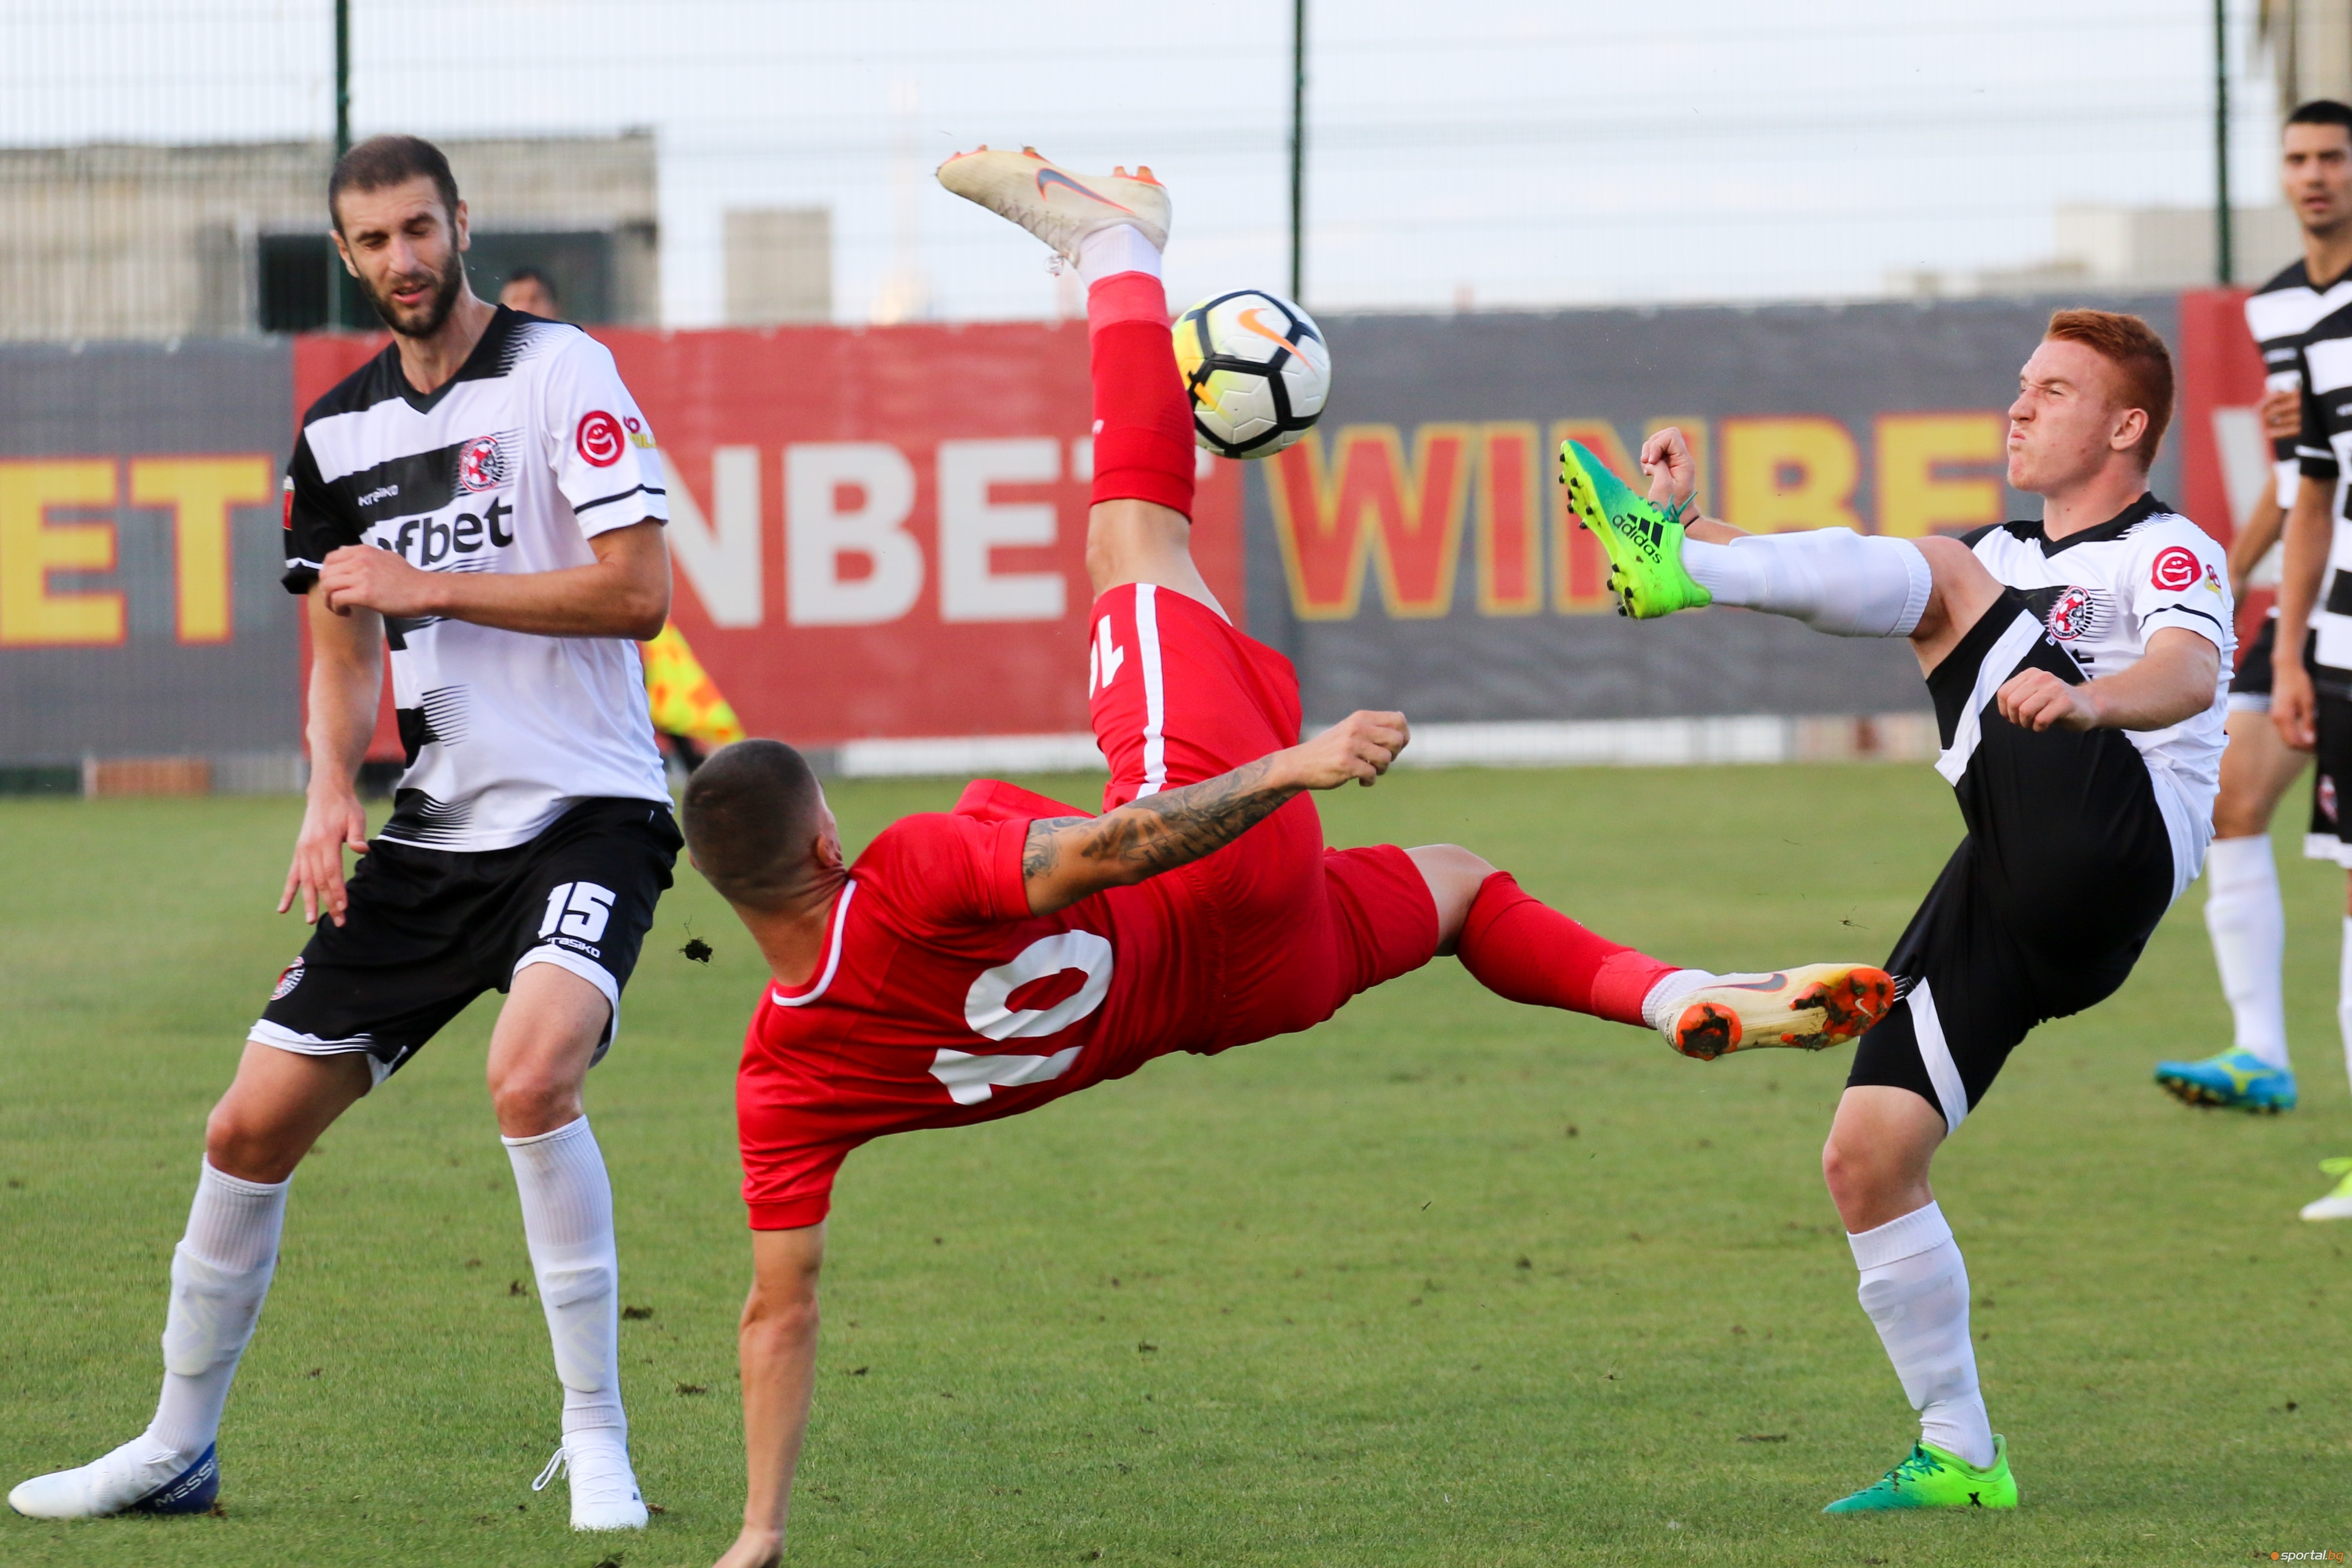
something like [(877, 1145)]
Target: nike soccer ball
[(1257, 370)]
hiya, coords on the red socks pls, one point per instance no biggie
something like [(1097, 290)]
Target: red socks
[(1143, 425), (1520, 948)]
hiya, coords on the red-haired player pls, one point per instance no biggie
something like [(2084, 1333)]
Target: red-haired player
[(979, 962)]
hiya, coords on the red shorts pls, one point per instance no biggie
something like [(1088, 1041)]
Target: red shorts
[(1289, 929)]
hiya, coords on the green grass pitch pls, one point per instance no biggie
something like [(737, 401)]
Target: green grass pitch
[(1443, 1282)]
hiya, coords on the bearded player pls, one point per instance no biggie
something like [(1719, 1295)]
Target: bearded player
[(484, 500), (980, 962), (2079, 668)]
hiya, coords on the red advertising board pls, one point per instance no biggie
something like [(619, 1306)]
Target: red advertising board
[(877, 532), (2224, 461)]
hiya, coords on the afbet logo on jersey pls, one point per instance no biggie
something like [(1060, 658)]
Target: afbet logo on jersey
[(2176, 568), (599, 438), (482, 466)]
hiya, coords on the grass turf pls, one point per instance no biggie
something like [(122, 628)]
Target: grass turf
[(1444, 1281)]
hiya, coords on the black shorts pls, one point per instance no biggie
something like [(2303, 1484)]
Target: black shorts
[(2250, 688), (427, 931), (2043, 908), (2329, 837)]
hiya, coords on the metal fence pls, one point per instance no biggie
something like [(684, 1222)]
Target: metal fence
[(698, 160)]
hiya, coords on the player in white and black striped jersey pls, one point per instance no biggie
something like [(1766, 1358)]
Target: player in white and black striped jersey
[(484, 497), (2079, 668), (2242, 908), (2313, 706)]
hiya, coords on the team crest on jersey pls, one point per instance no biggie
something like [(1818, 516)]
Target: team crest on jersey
[(2325, 796), (2176, 568), (2073, 615), (287, 981), (599, 438), (482, 466)]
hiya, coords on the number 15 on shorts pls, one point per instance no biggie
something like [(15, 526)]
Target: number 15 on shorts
[(577, 910)]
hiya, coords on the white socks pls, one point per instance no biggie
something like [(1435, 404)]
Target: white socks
[(2344, 995), (2249, 929), (567, 1218), (1107, 252), (1670, 989), (1834, 580), (1916, 1290), (220, 1273)]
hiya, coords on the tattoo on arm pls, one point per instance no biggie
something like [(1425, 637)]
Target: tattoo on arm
[(1040, 850), (1163, 831)]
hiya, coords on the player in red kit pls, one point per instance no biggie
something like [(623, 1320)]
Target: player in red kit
[(979, 962)]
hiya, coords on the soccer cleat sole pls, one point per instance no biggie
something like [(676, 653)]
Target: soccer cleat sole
[(1592, 513), (1808, 1009), (2205, 1096)]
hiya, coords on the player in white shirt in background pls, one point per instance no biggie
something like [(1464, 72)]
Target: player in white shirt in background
[(2243, 907)]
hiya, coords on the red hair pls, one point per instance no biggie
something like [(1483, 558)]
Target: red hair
[(2143, 365)]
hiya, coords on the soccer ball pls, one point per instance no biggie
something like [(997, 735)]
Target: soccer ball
[(1257, 370)]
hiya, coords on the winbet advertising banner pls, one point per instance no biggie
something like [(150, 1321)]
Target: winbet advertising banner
[(880, 533), (1413, 552)]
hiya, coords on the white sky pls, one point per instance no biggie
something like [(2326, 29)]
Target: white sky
[(1505, 152)]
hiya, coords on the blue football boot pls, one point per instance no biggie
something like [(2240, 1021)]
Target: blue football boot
[(2235, 1081)]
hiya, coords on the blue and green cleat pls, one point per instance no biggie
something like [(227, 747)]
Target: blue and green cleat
[(1645, 546), (1931, 1477), (2234, 1080)]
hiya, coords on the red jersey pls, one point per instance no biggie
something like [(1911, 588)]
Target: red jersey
[(940, 1000)]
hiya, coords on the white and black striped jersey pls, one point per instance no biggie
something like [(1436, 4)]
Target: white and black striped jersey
[(531, 450), (2323, 451), (2100, 595), (2279, 314)]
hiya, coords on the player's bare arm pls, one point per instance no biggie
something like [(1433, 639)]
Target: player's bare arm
[(624, 594), (1066, 859), (777, 1341), (2173, 683), (2253, 540), (346, 675), (2310, 534)]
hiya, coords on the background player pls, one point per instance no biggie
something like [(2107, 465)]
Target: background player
[(1200, 911), (2078, 668), (2313, 707), (533, 292), (484, 497), (2243, 910)]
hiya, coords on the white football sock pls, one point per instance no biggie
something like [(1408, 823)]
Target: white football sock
[(2248, 925), (220, 1274), (1107, 252), (2344, 996), (567, 1218), (1672, 988), (1916, 1290), (1834, 580)]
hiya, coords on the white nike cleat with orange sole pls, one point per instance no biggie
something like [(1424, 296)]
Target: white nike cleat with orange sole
[(1811, 1009), (1057, 207)]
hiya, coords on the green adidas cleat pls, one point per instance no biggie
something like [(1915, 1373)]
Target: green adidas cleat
[(1645, 546), (1931, 1477)]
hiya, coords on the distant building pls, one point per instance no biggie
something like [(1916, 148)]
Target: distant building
[(779, 265), (223, 240)]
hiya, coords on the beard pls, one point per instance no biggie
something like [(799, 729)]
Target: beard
[(418, 320)]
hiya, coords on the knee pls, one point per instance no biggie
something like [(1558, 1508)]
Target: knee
[(1851, 1175), (237, 1144), (530, 1101), (1453, 876)]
